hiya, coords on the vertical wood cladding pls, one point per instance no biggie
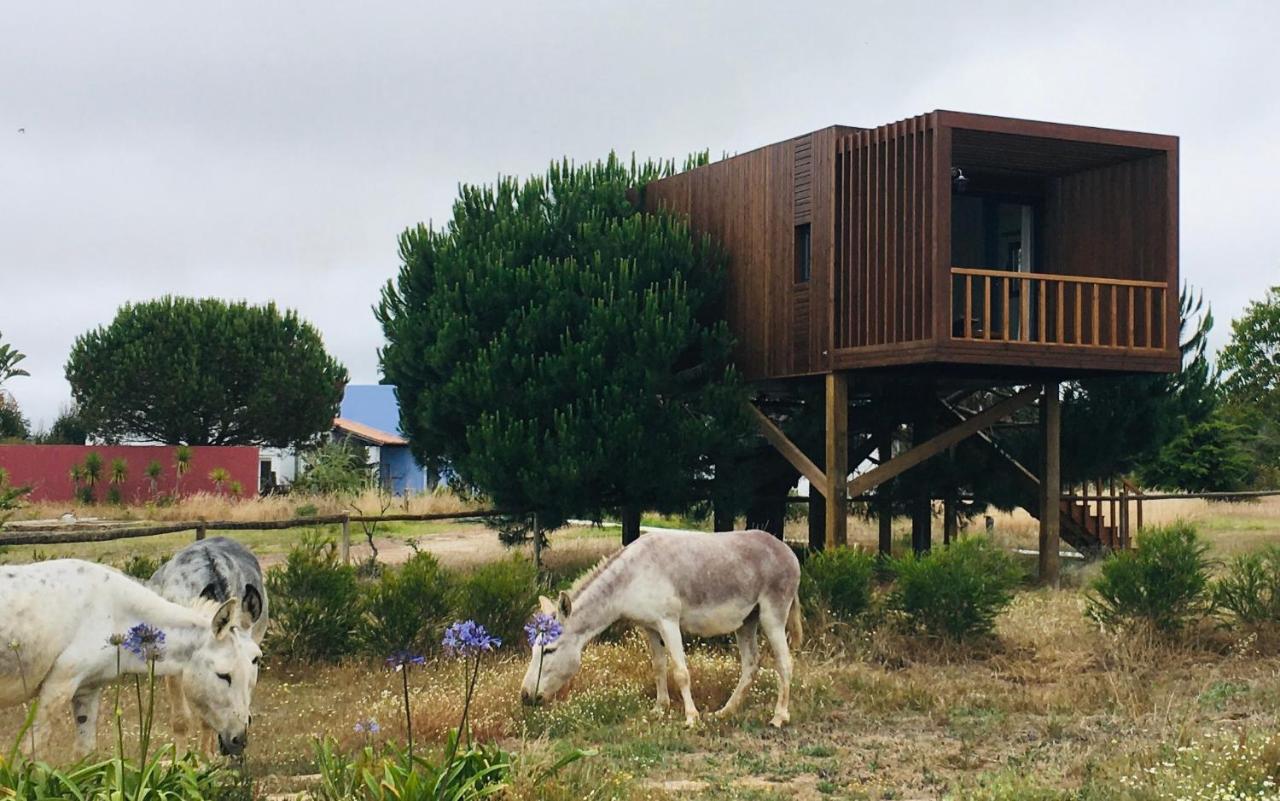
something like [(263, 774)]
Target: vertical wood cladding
[(884, 234), (879, 289)]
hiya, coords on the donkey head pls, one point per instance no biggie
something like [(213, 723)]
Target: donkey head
[(219, 679), (554, 664)]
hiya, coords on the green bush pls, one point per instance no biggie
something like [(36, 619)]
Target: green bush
[(141, 566), (839, 580), (955, 592), (1250, 590), (1163, 583), (499, 595), (316, 607), (406, 607)]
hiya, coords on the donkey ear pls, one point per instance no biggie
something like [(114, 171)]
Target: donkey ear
[(226, 617), (565, 604), (546, 605)]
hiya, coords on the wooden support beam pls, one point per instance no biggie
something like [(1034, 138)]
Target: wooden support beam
[(817, 521), (837, 461), (1050, 486), (932, 447), (885, 512), (789, 450)]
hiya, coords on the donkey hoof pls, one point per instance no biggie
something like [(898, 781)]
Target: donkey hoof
[(691, 720), (779, 721)]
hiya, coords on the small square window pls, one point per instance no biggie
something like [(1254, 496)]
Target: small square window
[(803, 255)]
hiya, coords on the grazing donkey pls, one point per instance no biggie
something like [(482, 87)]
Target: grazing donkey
[(666, 582), (217, 569), (58, 617)]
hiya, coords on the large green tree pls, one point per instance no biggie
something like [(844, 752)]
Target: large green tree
[(1251, 365), (562, 350), (205, 372)]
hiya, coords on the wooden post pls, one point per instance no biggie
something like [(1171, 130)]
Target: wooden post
[(630, 524), (200, 532), (537, 546), (884, 449), (837, 461), (950, 523), (1050, 484), (346, 540), (817, 520), (922, 505)]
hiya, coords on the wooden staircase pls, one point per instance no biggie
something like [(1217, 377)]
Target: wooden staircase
[(1094, 517)]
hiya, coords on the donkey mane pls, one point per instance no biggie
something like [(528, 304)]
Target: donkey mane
[(581, 583)]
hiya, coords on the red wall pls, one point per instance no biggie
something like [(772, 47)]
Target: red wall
[(47, 469)]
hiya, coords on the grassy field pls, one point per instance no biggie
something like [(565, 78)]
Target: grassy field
[(1053, 708)]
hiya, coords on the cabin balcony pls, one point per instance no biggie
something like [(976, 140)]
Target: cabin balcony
[(1061, 311)]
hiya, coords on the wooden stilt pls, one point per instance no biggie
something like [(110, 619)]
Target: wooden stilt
[(817, 521), (885, 452), (921, 524), (837, 461), (950, 523), (1050, 484)]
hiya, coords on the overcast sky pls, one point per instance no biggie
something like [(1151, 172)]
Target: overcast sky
[(274, 151)]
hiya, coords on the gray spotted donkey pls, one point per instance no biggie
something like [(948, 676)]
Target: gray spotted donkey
[(216, 569)]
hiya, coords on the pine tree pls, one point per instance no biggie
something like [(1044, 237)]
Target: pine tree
[(562, 350)]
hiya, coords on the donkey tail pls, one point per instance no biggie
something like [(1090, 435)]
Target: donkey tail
[(795, 623)]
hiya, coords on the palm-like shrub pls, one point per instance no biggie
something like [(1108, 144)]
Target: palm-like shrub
[(955, 592), (1164, 583), (1250, 589)]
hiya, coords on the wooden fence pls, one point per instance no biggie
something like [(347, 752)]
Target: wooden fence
[(67, 534)]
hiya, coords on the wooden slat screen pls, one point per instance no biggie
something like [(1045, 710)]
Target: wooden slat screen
[(884, 229)]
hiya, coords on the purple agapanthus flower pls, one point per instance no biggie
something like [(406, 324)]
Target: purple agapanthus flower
[(399, 659), (544, 629), (468, 638), (367, 726), (145, 642)]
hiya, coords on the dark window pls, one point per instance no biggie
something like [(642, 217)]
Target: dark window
[(803, 262)]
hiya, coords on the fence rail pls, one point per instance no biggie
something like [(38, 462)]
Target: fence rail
[(69, 535)]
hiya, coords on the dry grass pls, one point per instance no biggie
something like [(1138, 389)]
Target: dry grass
[(210, 506), (1052, 702), (875, 716)]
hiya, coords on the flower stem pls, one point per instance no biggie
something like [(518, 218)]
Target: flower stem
[(408, 718)]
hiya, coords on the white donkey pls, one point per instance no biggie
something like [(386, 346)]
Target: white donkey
[(666, 582), (57, 618), (216, 569)]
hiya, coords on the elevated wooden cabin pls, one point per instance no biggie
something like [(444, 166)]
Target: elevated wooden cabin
[(948, 239), (961, 249)]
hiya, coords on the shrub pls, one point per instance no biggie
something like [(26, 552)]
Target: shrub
[(405, 607), (141, 566), (501, 595), (315, 604), (1163, 583), (1250, 590), (334, 468), (839, 580), (955, 592)]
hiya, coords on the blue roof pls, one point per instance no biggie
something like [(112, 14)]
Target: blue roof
[(374, 405)]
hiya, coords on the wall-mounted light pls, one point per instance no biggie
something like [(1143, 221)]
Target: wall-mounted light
[(958, 180)]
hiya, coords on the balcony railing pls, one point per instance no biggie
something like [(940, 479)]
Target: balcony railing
[(1066, 310)]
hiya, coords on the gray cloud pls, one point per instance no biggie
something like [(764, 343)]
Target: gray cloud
[(275, 151)]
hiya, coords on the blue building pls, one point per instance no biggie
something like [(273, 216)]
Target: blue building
[(370, 416)]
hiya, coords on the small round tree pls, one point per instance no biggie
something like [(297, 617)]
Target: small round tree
[(561, 349), (205, 372)]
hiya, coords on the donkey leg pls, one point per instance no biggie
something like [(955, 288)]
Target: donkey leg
[(84, 705), (749, 650), (56, 692), (670, 630), (775, 631), (179, 712), (658, 652)]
